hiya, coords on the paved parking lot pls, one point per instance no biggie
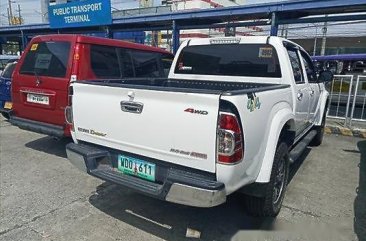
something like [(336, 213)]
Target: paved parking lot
[(42, 197)]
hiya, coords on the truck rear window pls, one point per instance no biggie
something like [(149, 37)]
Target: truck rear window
[(252, 60), (104, 62), (47, 59), (117, 62)]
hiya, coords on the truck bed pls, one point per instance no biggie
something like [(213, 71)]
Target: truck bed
[(190, 86), (170, 120)]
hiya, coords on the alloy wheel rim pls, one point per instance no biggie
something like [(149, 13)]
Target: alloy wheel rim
[(279, 181)]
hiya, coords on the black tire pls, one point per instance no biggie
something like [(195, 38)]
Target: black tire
[(6, 115), (270, 205), (318, 139)]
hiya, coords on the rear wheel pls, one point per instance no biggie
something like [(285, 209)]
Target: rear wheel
[(270, 204)]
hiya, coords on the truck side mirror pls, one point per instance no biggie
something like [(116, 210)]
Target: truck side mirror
[(325, 76)]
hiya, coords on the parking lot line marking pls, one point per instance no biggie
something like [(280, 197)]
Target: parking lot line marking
[(148, 219)]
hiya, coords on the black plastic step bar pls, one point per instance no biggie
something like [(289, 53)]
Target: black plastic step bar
[(296, 152)]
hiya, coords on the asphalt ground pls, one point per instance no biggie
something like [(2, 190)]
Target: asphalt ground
[(43, 197)]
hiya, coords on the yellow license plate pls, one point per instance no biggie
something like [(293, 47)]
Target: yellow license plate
[(8, 105)]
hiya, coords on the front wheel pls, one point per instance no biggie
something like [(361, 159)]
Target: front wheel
[(318, 139), (270, 204)]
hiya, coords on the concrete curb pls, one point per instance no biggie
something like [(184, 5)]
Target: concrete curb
[(344, 131)]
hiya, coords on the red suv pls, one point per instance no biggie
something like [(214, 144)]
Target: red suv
[(40, 87)]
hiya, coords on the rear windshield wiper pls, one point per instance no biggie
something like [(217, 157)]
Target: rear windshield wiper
[(34, 73)]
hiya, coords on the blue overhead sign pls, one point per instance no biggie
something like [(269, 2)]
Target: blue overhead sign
[(79, 14)]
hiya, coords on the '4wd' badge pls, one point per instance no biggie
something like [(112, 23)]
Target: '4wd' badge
[(253, 103)]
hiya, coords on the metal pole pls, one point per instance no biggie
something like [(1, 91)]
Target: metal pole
[(168, 40), (23, 41), (108, 32), (19, 15), (315, 39), (9, 21), (286, 31), (175, 37), (354, 100), (10, 12), (324, 40), (348, 99), (274, 25)]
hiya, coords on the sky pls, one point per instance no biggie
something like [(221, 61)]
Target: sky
[(31, 12), (31, 9), (28, 10)]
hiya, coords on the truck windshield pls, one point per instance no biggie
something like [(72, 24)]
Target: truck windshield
[(47, 59), (252, 60)]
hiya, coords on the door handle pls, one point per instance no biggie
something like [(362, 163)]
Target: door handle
[(132, 107), (299, 95)]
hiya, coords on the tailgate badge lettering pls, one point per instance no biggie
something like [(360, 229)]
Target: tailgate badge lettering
[(91, 132), (194, 111), (188, 153)]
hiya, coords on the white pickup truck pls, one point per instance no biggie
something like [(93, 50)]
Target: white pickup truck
[(232, 115)]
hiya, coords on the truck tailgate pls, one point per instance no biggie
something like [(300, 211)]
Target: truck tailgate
[(174, 127)]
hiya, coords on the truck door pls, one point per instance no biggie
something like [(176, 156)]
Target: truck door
[(314, 88), (302, 92)]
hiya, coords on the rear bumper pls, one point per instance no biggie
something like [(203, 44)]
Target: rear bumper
[(37, 126), (177, 185)]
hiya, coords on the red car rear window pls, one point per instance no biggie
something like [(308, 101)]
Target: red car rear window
[(47, 59)]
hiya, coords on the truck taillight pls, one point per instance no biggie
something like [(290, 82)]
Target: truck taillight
[(68, 117), (230, 146)]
